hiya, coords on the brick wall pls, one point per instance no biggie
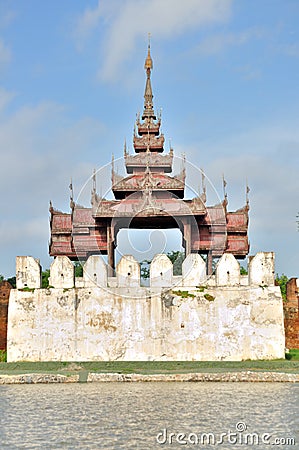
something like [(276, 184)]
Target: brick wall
[(5, 288), (291, 314)]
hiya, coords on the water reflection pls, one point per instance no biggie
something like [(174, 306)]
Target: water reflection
[(129, 416)]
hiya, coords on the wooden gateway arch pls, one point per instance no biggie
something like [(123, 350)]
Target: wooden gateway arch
[(148, 197)]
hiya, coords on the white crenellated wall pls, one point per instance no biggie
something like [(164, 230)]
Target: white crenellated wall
[(62, 273), (28, 272), (128, 272), (192, 317), (94, 272), (161, 271), (194, 270), (261, 272), (228, 271)]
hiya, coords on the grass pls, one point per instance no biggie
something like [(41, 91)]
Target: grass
[(27, 289), (293, 354), (150, 367)]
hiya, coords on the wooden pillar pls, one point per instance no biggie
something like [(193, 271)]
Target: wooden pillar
[(110, 252), (187, 237), (210, 264)]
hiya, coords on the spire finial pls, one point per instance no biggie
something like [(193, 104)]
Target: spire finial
[(72, 203), (247, 194), (204, 188), (71, 190), (148, 65), (224, 187), (94, 181), (148, 93)]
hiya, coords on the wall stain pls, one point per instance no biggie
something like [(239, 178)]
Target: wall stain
[(102, 320)]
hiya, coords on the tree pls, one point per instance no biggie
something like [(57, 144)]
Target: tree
[(243, 271), (175, 256), (144, 268), (177, 259), (282, 282), (45, 278), (12, 281), (78, 268)]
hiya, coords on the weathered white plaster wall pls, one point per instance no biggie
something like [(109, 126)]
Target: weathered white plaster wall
[(28, 272), (228, 271), (128, 272), (62, 273), (161, 271), (91, 324), (94, 272), (194, 270), (261, 271), (154, 323)]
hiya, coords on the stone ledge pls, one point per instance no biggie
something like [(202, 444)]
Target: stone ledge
[(248, 376), (35, 378)]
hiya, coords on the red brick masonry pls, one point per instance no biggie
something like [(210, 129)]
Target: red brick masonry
[(5, 288), (291, 314)]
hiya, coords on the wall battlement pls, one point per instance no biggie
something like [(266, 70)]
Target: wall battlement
[(192, 317), (62, 273)]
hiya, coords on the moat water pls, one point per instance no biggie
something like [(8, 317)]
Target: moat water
[(150, 416)]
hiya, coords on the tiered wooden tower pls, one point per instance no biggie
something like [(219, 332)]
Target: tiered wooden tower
[(148, 198)]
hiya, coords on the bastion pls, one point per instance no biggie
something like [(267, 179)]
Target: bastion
[(196, 317)]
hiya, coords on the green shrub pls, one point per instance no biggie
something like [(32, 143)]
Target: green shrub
[(209, 297), (27, 289), (281, 281), (293, 354), (3, 356), (183, 294), (201, 288)]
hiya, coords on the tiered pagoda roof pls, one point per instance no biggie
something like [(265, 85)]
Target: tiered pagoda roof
[(148, 197), (147, 168)]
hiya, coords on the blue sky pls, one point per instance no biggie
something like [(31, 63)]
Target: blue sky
[(71, 82)]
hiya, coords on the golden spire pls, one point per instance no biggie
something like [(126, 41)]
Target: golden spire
[(148, 93), (148, 65)]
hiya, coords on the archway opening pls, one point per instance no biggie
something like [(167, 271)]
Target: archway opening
[(146, 243)]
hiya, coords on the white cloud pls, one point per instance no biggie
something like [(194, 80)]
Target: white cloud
[(5, 98), (268, 158), (128, 20), (86, 23), (290, 50), (5, 53), (219, 42), (40, 150), (32, 229), (249, 72), (6, 17)]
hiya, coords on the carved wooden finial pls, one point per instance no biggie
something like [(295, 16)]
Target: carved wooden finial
[(94, 181), (71, 189), (125, 148), (224, 187), (203, 184), (247, 194)]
